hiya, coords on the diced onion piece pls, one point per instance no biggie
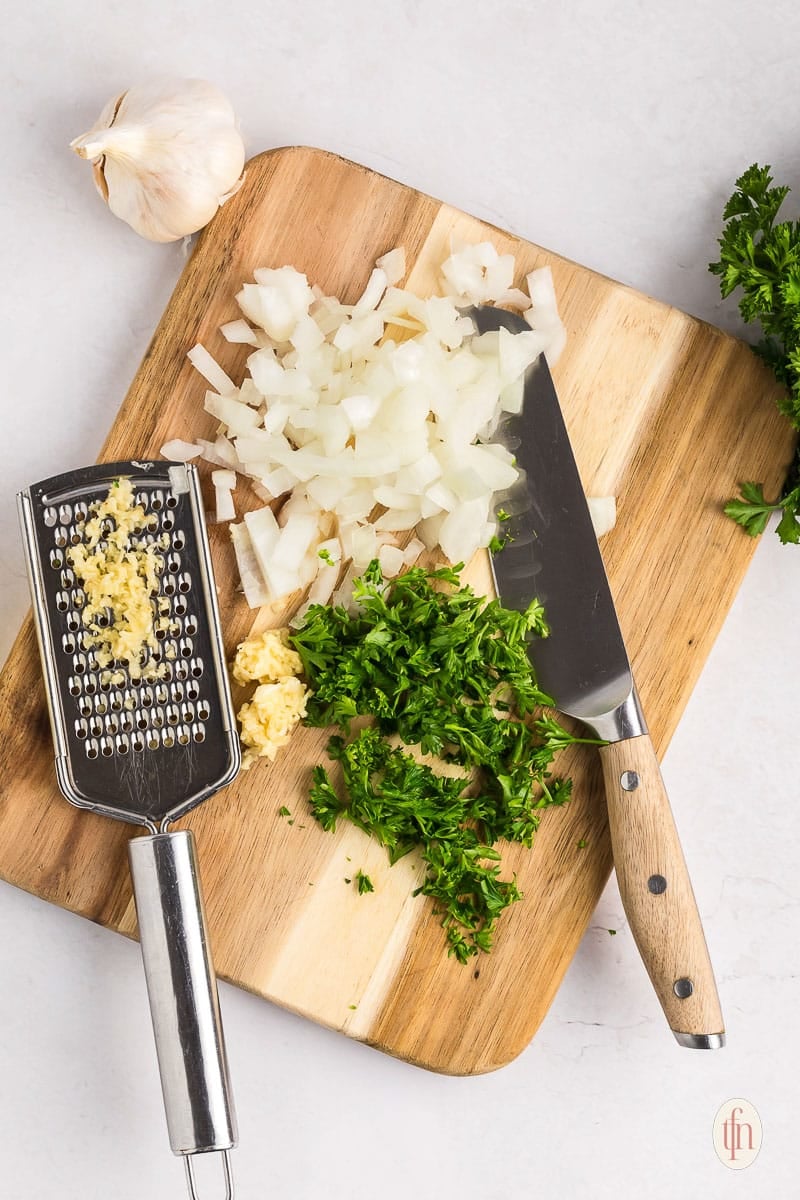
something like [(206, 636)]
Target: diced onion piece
[(330, 551), (224, 482), (442, 497), (412, 551), (225, 508), (398, 519), (322, 587), (179, 451), (224, 479), (393, 265), (281, 562), (344, 593), (603, 511), (306, 335), (239, 418), (255, 590), (457, 532), (372, 294), (220, 452), (264, 532), (393, 497), (360, 410), (363, 545), (543, 314), (391, 560), (210, 369), (429, 530), (277, 301), (499, 276), (239, 332), (495, 473), (513, 298), (278, 482), (327, 492)]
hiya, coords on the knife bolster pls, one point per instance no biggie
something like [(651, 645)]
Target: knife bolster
[(625, 721)]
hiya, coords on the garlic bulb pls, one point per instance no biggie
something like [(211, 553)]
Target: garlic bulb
[(165, 155)]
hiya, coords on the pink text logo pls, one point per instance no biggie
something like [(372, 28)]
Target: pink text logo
[(737, 1133)]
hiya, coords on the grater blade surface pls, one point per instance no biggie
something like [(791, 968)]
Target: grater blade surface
[(141, 750)]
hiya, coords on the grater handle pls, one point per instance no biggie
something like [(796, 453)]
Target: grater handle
[(182, 988)]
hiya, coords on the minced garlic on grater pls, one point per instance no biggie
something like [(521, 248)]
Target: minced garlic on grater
[(278, 703), (119, 573)]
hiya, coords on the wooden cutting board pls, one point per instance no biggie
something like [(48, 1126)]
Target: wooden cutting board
[(666, 413)]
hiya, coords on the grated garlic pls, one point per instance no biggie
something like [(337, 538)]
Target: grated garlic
[(266, 658), (268, 721), (278, 703), (118, 577)]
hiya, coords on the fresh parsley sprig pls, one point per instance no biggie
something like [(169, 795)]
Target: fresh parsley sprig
[(760, 259), (752, 511), (440, 669)]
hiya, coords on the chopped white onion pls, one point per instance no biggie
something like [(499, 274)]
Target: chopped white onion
[(253, 586), (543, 313), (220, 452), (239, 332), (225, 508), (412, 551), (391, 560), (225, 480), (393, 264), (210, 369), (179, 451), (603, 511), (224, 483), (365, 431)]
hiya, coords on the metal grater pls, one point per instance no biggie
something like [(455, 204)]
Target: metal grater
[(146, 751)]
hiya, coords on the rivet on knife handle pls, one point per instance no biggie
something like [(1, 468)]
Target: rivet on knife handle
[(657, 893)]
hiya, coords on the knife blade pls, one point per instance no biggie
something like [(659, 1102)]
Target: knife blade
[(553, 555)]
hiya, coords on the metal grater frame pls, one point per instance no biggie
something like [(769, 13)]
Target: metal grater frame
[(142, 751)]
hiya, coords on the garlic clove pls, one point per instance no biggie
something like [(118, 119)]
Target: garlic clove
[(165, 156)]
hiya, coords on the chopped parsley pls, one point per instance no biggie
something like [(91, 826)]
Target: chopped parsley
[(325, 555), (447, 673), (364, 883)]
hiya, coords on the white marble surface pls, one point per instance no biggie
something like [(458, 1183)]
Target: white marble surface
[(611, 133)]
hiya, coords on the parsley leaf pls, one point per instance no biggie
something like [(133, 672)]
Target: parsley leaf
[(760, 259), (752, 512), (364, 883), (441, 670)]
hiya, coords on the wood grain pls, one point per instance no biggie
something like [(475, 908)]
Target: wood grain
[(666, 413), (656, 890)]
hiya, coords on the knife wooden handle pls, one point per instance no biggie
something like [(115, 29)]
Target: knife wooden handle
[(657, 893)]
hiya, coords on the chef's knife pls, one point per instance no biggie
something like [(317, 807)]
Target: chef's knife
[(553, 555)]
